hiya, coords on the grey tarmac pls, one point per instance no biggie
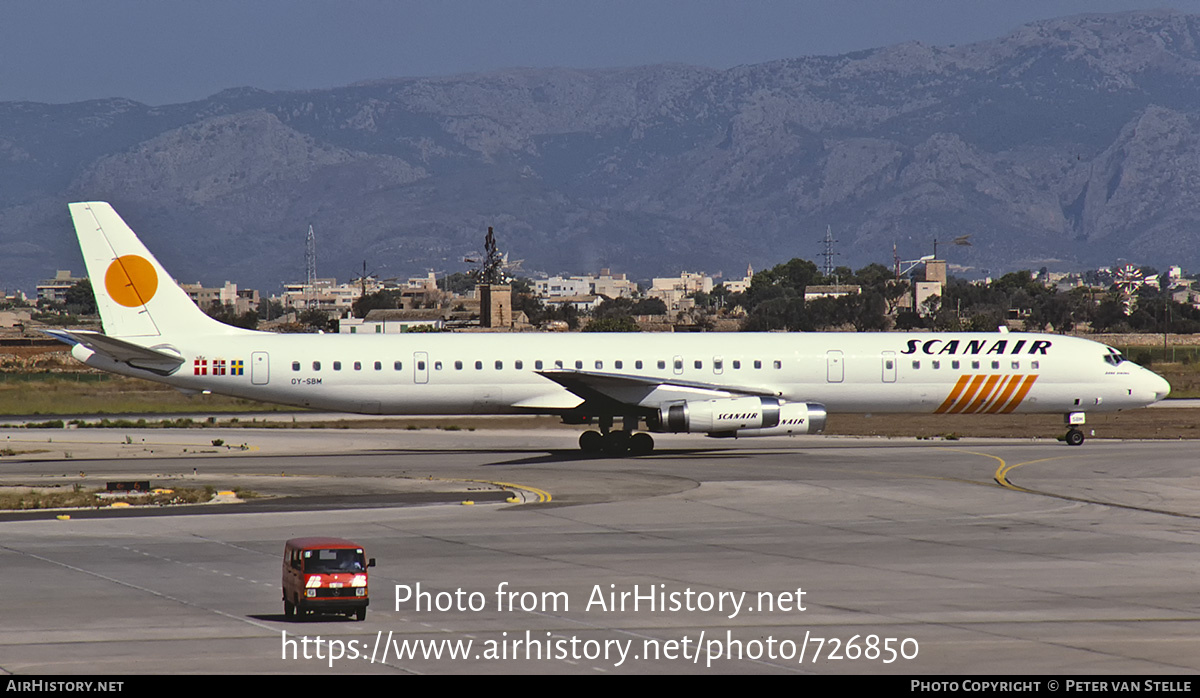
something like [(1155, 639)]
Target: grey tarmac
[(989, 556)]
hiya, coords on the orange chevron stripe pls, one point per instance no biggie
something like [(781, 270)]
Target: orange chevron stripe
[(971, 390), (988, 387), (1004, 394), (1020, 396), (962, 381), (1004, 380)]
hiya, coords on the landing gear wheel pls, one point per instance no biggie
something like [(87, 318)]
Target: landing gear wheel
[(1074, 437), (641, 444), (616, 443), (591, 442), (289, 611)]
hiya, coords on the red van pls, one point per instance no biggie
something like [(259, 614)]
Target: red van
[(325, 575)]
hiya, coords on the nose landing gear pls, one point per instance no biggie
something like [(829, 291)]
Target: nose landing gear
[(1074, 437)]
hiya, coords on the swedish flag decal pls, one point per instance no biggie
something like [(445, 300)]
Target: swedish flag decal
[(236, 367)]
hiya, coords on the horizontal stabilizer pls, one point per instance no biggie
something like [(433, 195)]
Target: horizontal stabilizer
[(164, 363)]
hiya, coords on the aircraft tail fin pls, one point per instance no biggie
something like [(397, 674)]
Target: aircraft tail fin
[(135, 295)]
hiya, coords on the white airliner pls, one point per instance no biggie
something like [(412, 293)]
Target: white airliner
[(719, 384)]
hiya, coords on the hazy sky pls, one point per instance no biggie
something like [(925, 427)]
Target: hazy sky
[(165, 51)]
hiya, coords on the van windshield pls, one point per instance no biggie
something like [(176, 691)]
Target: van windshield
[(329, 560)]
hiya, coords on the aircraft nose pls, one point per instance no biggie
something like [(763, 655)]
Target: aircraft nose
[(1158, 385)]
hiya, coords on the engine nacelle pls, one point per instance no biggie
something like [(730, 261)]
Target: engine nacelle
[(742, 416)]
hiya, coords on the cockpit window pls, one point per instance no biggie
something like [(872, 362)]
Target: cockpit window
[(1113, 357)]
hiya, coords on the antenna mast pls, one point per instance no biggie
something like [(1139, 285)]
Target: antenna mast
[(828, 254), (310, 257)]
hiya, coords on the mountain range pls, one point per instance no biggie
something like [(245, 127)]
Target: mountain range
[(1068, 143)]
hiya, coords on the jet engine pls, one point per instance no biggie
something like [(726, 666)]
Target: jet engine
[(741, 416)]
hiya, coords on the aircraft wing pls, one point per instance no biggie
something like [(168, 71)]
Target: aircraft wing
[(607, 388), (154, 360)]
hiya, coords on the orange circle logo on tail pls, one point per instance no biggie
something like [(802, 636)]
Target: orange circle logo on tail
[(131, 281)]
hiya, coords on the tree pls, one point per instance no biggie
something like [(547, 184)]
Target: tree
[(229, 315), (318, 321), (384, 299), (613, 323), (81, 299)]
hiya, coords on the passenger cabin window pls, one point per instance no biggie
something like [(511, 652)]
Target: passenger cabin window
[(678, 364), (478, 365), (937, 364), (519, 364), (437, 365), (638, 364), (737, 363), (558, 364), (397, 365), (757, 363), (499, 365), (662, 364), (954, 364), (295, 365), (537, 365), (378, 365), (916, 364), (316, 365), (718, 364), (337, 365), (457, 365), (995, 364), (420, 365), (357, 365), (1034, 365), (974, 364), (698, 364), (778, 364), (1016, 365), (599, 364), (578, 364)]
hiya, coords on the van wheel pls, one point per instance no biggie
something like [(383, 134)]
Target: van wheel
[(361, 613), (289, 611)]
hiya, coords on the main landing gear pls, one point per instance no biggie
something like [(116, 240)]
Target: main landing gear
[(1074, 437), (617, 442)]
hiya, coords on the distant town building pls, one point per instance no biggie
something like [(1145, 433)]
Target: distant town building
[(740, 285), (326, 294), (612, 285), (55, 290), (606, 284), (672, 290), (923, 291), (393, 322), (14, 319), (495, 305), (559, 287), (837, 291), (242, 301), (585, 302)]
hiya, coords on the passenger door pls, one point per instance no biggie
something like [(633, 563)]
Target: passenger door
[(835, 366), (888, 361), (260, 368)]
